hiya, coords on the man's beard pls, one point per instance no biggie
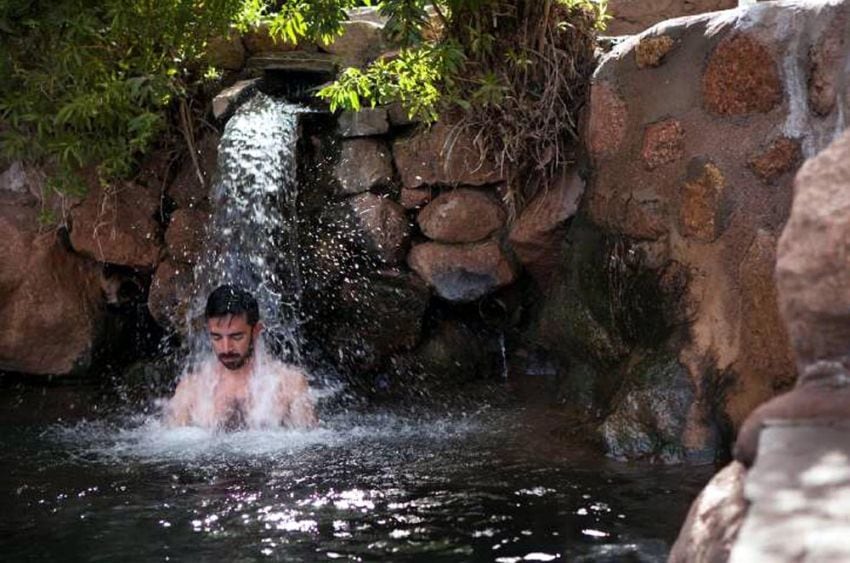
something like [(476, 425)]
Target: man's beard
[(234, 362)]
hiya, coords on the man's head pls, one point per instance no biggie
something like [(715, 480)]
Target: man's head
[(232, 316)]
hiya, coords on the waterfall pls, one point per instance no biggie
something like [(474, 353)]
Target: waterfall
[(251, 241)]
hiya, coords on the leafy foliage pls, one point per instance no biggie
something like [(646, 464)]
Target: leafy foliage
[(88, 84), (516, 69)]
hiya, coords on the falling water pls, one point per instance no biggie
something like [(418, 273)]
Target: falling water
[(251, 242)]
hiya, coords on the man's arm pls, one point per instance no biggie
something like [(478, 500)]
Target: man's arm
[(179, 407), (296, 392)]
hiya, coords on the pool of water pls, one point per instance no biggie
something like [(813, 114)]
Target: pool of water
[(489, 483)]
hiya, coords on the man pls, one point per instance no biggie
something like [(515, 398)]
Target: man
[(245, 387)]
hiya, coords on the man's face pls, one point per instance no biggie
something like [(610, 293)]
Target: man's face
[(232, 339)]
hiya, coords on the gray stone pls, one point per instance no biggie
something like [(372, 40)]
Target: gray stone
[(367, 121), (361, 42), (799, 494), (363, 164), (226, 102), (462, 272)]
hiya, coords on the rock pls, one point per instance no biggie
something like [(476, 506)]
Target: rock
[(383, 315), (646, 219), (168, 299), (226, 102), (768, 364), (118, 225), (461, 272), (823, 396), (413, 198), (699, 213), (634, 16), (714, 519), (15, 179), (607, 123), (651, 50), (188, 190), (226, 53), (258, 40), (538, 233), (461, 215), (184, 238), (825, 61), (49, 298), (441, 155), (361, 42), (651, 417), (663, 142), (398, 115), (367, 121), (784, 155), (811, 271), (383, 224), (741, 78), (363, 164)]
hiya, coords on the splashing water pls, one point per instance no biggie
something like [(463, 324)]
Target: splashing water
[(251, 242)]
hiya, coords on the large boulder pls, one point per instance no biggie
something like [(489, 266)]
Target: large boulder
[(367, 121), (443, 154), (695, 130), (50, 299), (363, 164), (118, 225), (813, 277), (461, 215), (462, 272)]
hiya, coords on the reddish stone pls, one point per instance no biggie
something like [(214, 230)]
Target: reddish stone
[(741, 78), (118, 225), (607, 123), (650, 51), (699, 215), (783, 155), (645, 220), (384, 225), (189, 190), (52, 307), (169, 294), (812, 272), (443, 155), (538, 233), (184, 237), (461, 272), (461, 215), (412, 198), (663, 142)]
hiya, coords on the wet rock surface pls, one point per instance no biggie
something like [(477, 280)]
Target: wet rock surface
[(363, 164), (461, 215), (461, 272), (118, 225)]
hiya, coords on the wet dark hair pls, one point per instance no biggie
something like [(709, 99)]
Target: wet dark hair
[(230, 300)]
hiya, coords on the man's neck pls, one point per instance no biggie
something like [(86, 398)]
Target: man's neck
[(241, 374)]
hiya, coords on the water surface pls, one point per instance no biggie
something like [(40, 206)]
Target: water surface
[(464, 484)]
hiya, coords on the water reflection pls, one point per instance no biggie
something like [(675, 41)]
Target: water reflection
[(362, 487)]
